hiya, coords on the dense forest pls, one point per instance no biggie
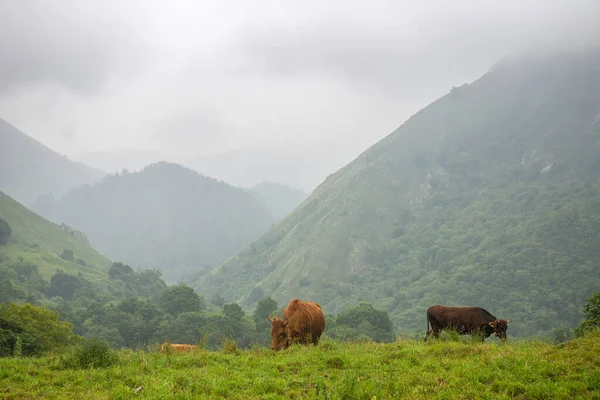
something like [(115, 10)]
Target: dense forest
[(28, 169), (165, 217), (489, 196)]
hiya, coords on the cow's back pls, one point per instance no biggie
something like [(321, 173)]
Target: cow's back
[(447, 316), (305, 315)]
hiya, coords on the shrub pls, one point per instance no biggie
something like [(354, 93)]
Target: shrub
[(230, 347), (81, 261), (92, 353), (591, 310), (67, 255), (5, 232)]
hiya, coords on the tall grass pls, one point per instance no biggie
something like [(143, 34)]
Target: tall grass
[(438, 369)]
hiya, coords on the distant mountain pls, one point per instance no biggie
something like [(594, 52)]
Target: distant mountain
[(29, 169), (118, 160), (35, 240), (249, 167), (490, 197), (280, 199), (164, 217)]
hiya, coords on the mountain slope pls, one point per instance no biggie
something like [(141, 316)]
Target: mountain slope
[(166, 217), (29, 169), (279, 199), (489, 196), (40, 242)]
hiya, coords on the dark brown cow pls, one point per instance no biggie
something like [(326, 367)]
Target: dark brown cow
[(302, 321), (466, 320)]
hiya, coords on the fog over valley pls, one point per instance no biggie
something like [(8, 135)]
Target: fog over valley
[(295, 90)]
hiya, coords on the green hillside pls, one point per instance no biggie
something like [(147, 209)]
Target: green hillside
[(29, 169), (40, 242), (165, 217), (279, 199), (489, 196)]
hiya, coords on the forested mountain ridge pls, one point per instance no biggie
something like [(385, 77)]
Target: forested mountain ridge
[(34, 240), (489, 196), (165, 217), (29, 169)]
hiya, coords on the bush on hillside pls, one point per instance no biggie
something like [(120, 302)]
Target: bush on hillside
[(35, 328), (63, 285), (592, 315), (180, 298), (95, 354), (363, 322), (5, 232), (121, 272), (67, 255)]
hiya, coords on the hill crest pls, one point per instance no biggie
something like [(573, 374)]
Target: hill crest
[(28, 169)]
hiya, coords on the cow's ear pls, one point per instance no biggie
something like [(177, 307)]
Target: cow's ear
[(493, 324)]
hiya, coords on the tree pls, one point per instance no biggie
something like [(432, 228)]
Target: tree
[(5, 232), (45, 325), (121, 272), (365, 321), (10, 292), (63, 285), (264, 306), (180, 298), (592, 315), (67, 254), (233, 311)]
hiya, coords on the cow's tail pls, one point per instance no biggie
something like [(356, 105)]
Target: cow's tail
[(427, 334)]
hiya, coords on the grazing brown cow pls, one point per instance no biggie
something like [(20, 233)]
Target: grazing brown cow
[(177, 347), (302, 321), (466, 320)]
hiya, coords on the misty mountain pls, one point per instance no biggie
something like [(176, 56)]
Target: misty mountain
[(117, 160), (248, 167), (489, 196), (164, 217), (280, 199), (29, 169)]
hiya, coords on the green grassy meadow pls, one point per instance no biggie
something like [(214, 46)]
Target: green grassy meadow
[(408, 369)]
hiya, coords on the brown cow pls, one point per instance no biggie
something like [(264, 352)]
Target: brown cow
[(302, 321), (466, 320), (177, 347)]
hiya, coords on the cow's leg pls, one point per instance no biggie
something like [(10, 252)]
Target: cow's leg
[(315, 339), (434, 332)]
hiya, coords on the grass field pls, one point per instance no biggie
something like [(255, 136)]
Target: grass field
[(405, 369)]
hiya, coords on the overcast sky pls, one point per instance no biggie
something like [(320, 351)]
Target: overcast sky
[(312, 83)]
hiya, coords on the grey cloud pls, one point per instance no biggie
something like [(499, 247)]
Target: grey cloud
[(74, 44), (183, 79), (448, 41)]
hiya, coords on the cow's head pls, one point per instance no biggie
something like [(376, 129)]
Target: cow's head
[(500, 326), (279, 333)]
